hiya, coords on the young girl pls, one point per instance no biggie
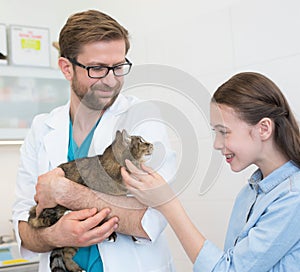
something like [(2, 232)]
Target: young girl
[(254, 125)]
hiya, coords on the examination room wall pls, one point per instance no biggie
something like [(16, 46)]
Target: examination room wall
[(209, 40)]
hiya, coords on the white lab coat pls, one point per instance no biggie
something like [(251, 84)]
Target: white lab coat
[(46, 146)]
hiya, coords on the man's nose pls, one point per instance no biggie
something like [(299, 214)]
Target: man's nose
[(110, 79)]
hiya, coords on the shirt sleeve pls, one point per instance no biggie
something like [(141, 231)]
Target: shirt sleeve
[(153, 223), (271, 234), (208, 257)]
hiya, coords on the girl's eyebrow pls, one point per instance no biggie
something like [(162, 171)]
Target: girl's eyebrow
[(219, 126)]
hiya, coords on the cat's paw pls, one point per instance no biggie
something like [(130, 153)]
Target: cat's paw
[(112, 237), (72, 266)]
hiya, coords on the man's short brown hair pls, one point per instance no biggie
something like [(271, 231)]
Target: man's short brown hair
[(87, 27)]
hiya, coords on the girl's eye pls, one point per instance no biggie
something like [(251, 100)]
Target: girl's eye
[(223, 132)]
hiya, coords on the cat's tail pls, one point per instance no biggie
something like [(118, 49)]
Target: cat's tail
[(61, 260), (56, 261)]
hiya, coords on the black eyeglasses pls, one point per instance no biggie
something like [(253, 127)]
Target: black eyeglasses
[(101, 71)]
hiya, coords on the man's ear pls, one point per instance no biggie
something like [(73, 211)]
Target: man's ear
[(266, 127), (66, 67)]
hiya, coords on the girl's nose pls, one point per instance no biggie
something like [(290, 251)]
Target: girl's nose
[(218, 143)]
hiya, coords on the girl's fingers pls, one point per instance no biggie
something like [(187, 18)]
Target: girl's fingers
[(143, 174), (133, 169), (150, 171), (129, 180)]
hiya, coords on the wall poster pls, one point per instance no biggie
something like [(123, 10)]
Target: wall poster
[(29, 46)]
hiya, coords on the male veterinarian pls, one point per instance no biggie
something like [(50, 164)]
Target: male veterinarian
[(93, 49)]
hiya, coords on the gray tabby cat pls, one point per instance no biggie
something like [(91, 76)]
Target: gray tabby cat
[(101, 173)]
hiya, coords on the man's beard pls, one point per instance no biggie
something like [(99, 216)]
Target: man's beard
[(90, 96)]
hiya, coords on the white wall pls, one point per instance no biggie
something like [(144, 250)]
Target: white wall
[(208, 39)]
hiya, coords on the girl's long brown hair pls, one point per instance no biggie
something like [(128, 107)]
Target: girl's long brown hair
[(254, 96)]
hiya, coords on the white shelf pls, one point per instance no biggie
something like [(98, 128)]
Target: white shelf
[(29, 71), (25, 92)]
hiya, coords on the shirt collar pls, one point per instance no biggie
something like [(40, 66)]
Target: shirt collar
[(272, 180)]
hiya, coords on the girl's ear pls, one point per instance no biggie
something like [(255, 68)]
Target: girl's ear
[(66, 67), (266, 127)]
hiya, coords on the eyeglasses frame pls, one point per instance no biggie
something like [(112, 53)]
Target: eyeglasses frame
[(128, 62)]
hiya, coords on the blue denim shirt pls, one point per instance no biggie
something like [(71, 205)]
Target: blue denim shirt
[(264, 229)]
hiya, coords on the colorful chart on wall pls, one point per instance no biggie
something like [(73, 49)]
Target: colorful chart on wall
[(29, 46)]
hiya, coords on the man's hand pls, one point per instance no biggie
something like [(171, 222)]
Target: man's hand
[(77, 228), (80, 228), (49, 188)]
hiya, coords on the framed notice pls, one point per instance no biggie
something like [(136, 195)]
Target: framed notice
[(3, 44), (29, 46)]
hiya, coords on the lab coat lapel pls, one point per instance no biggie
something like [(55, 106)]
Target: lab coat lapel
[(109, 124), (56, 141)]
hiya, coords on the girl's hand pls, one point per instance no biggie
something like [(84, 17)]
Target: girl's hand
[(146, 185)]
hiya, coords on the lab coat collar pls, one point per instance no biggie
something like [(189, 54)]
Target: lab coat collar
[(121, 105), (105, 132), (56, 141)]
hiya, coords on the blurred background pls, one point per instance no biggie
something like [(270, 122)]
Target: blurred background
[(210, 40)]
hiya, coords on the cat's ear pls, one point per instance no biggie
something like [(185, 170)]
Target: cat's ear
[(124, 133), (118, 134), (125, 136)]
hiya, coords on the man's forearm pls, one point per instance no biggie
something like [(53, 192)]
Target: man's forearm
[(129, 211), (33, 239)]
